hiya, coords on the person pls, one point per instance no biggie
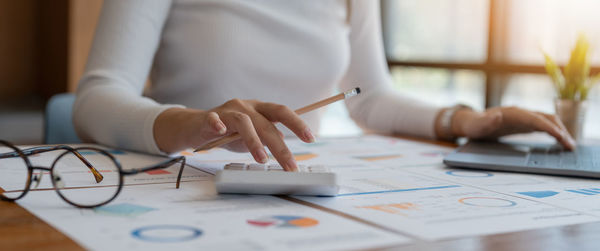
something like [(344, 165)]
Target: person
[(219, 67)]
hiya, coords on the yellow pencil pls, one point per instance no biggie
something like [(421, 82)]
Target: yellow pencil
[(308, 108)]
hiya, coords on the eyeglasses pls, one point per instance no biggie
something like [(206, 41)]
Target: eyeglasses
[(69, 172)]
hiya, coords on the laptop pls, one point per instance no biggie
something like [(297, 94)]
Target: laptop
[(538, 158)]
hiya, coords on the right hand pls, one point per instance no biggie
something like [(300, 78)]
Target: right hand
[(176, 129)]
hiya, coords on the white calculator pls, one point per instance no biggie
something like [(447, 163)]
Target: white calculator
[(316, 180)]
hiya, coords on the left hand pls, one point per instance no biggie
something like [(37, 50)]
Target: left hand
[(499, 121)]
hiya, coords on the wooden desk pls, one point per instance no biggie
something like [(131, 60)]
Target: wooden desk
[(20, 230)]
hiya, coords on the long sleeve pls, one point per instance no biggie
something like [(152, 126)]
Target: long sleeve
[(110, 108), (379, 107)]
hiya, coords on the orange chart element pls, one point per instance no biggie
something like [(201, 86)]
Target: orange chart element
[(378, 157), (396, 208), (187, 153), (304, 156)]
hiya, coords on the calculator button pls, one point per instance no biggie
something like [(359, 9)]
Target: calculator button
[(318, 169), (275, 167), (302, 168), (235, 166), (257, 167)]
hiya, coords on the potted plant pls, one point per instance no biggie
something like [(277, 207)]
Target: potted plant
[(573, 86)]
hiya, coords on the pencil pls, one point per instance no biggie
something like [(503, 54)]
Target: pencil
[(308, 108)]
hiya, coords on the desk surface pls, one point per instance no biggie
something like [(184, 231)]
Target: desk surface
[(20, 230)]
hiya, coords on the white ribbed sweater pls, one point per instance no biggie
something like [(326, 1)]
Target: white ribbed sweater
[(201, 53)]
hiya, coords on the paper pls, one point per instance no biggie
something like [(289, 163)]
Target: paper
[(577, 194), (398, 185), (337, 153), (159, 217), (402, 185), (451, 211), (76, 174)]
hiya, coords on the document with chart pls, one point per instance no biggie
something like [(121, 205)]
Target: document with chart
[(392, 189), (160, 217)]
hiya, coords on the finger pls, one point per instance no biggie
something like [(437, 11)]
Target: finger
[(555, 120), (541, 123), (270, 136), (283, 114), (552, 119), (243, 125), (216, 124)]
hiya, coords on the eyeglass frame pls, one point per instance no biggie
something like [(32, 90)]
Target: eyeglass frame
[(24, 153)]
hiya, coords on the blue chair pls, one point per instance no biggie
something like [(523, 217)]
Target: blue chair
[(58, 121)]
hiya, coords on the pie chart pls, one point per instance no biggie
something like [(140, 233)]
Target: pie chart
[(284, 221), (487, 202)]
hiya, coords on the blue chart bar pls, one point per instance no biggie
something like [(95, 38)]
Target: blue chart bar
[(399, 190), (539, 194), (587, 191)]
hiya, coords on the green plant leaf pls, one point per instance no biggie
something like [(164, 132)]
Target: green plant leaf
[(555, 74)]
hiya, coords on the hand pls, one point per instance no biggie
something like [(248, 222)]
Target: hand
[(500, 121), (176, 129)]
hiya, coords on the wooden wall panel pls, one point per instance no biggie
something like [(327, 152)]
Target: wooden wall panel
[(82, 25), (17, 48)]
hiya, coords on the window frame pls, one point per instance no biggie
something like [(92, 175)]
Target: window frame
[(493, 69)]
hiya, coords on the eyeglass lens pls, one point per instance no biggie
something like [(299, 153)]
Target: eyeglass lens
[(73, 178), (14, 174)]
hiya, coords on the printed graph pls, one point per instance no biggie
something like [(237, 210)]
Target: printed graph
[(301, 156), (396, 208), (123, 209), (585, 191), (539, 194), (158, 172), (373, 158), (434, 154), (166, 233), (469, 174), (284, 221), (487, 202)]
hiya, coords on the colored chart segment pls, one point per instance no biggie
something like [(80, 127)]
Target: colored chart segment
[(469, 174), (585, 191), (372, 158), (158, 172), (284, 221), (166, 233), (487, 202), (434, 154), (539, 194), (304, 156), (123, 209), (300, 156), (396, 208)]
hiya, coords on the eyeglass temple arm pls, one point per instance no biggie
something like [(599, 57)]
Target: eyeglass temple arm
[(42, 149), (161, 165)]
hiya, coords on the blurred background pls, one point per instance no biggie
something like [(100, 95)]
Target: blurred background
[(478, 52)]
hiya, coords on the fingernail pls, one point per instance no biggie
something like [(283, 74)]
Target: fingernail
[(308, 136), (291, 164), (221, 128), (262, 156)]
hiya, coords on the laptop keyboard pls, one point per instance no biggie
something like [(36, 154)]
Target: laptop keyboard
[(583, 158)]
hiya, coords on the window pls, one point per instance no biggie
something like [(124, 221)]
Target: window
[(487, 52)]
